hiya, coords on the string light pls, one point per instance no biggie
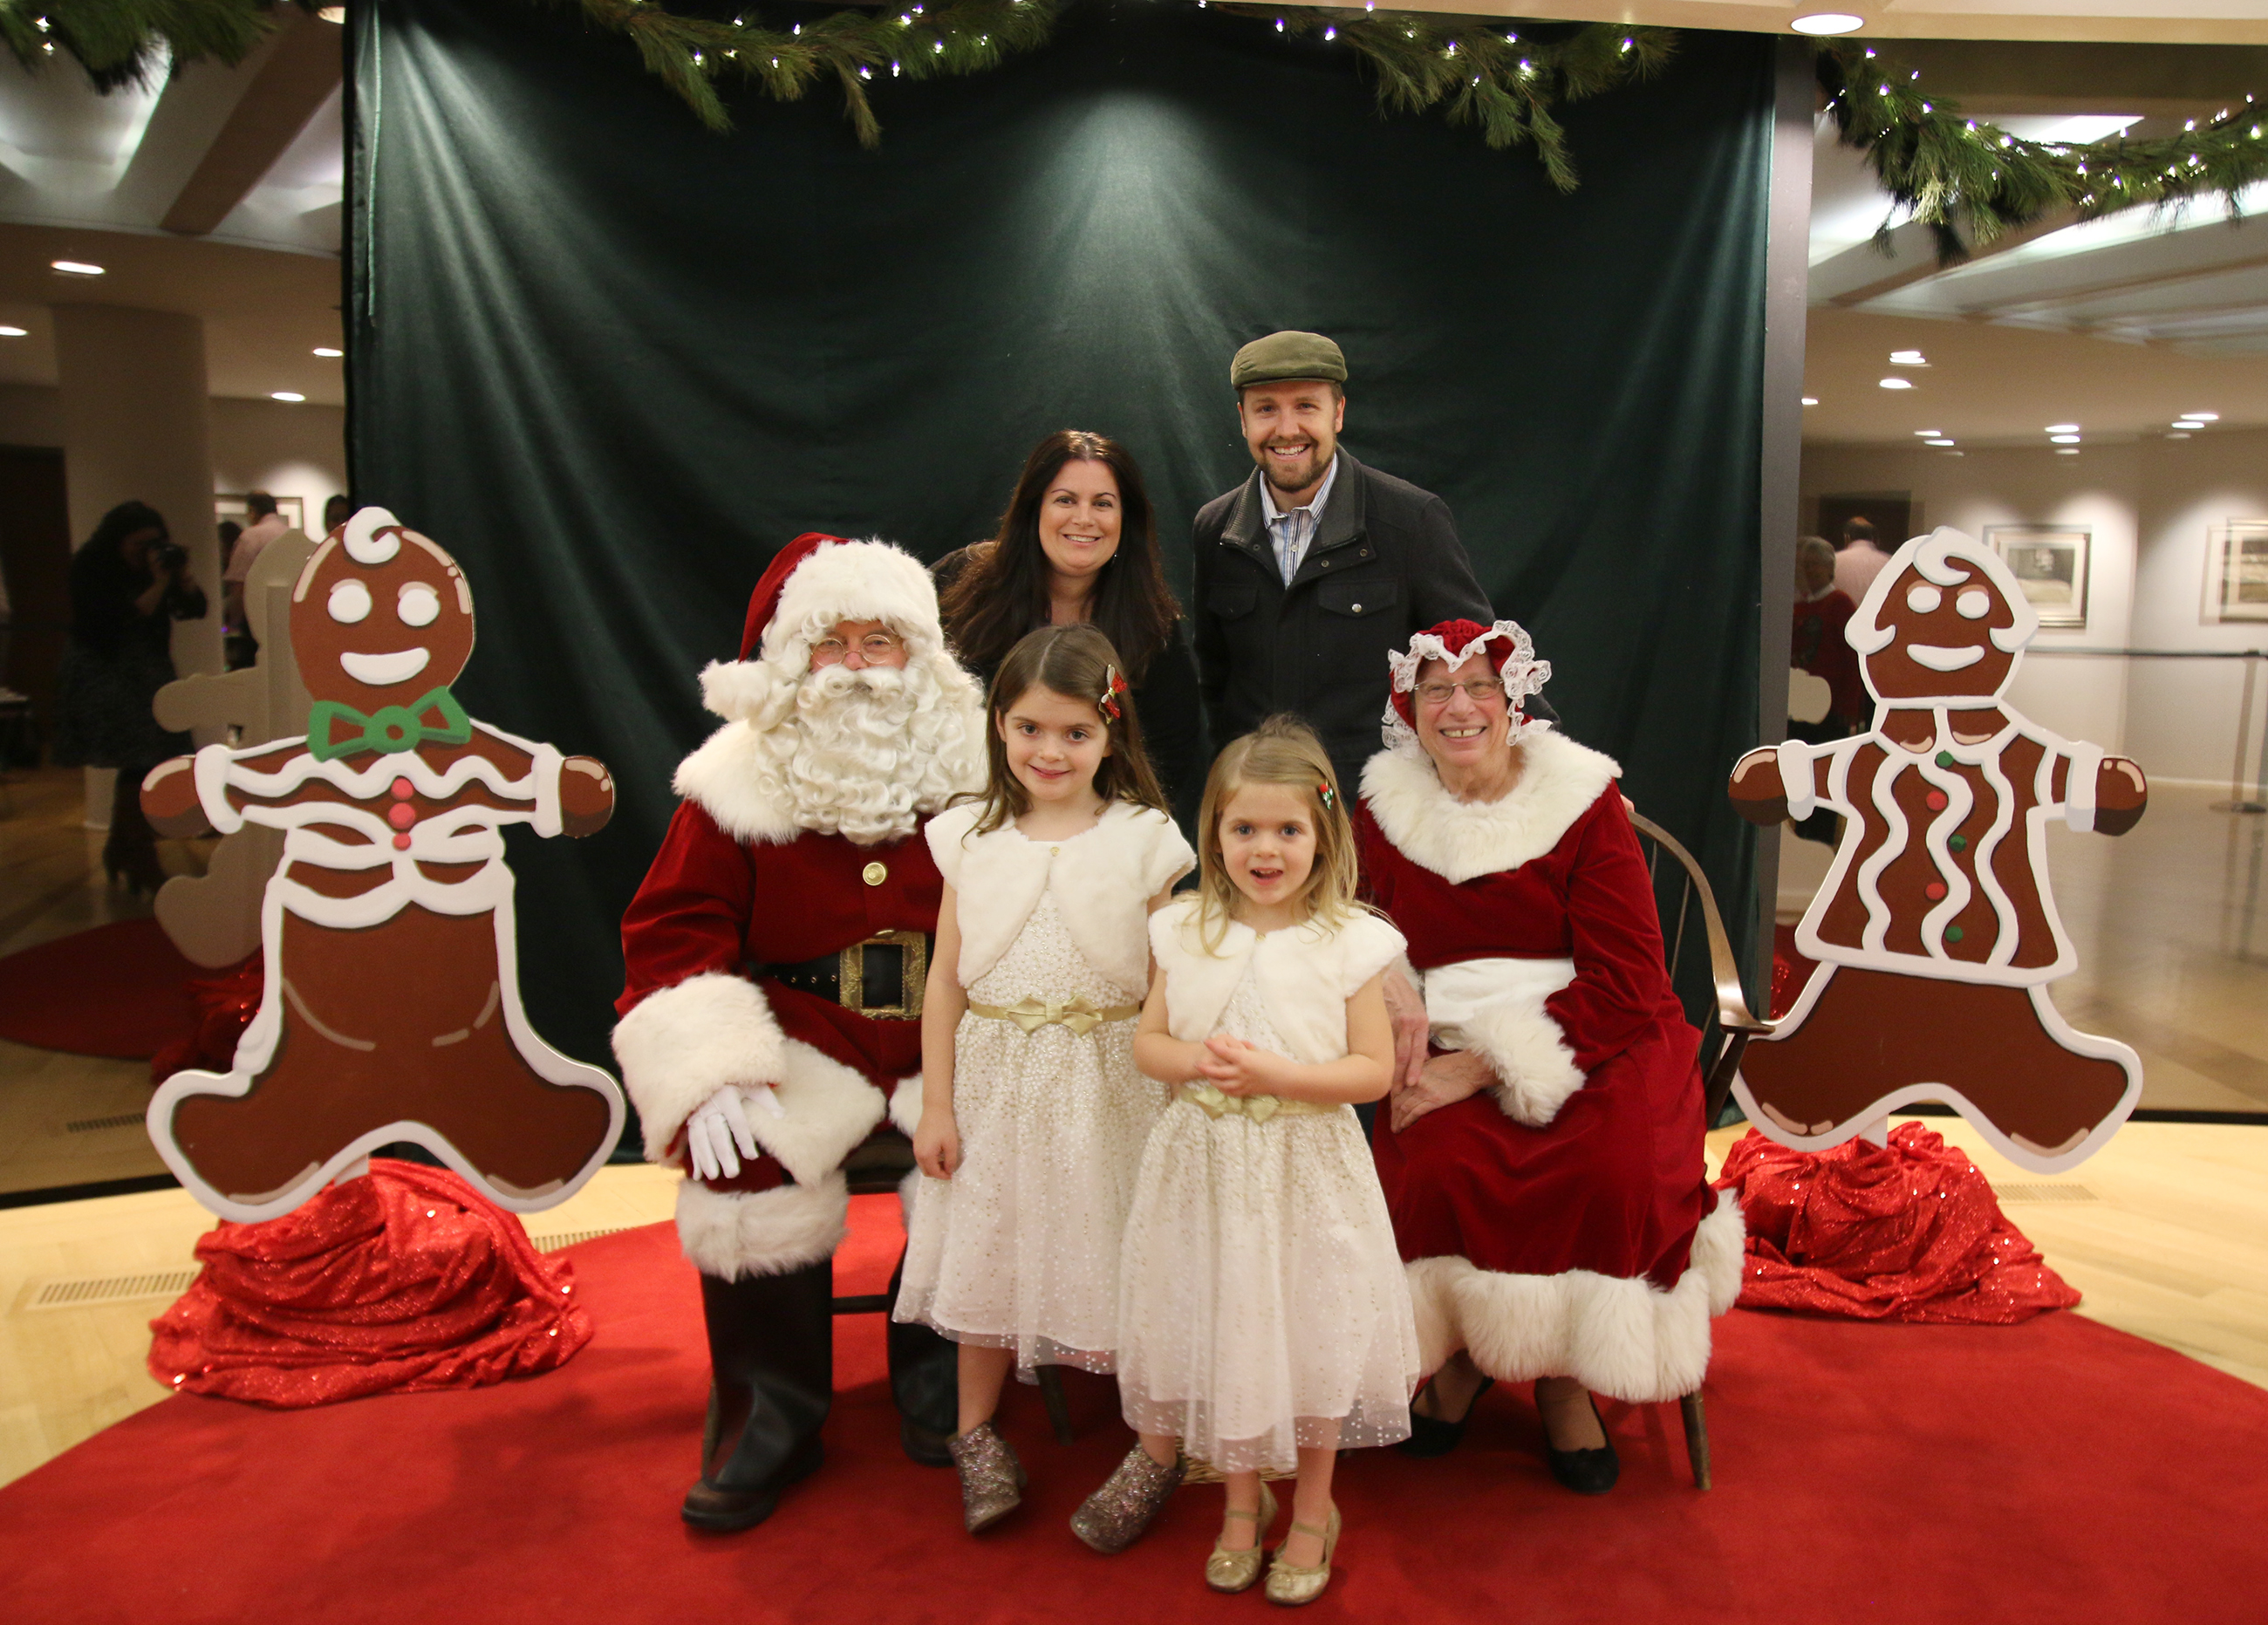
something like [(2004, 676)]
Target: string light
[(1330, 33)]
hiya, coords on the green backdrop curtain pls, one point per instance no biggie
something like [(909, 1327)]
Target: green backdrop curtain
[(612, 361)]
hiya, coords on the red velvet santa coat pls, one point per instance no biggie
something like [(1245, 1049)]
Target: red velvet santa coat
[(736, 882), (1560, 1224)]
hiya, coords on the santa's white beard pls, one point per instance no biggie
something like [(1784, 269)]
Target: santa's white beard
[(864, 752)]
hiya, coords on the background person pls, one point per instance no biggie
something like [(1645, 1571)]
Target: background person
[(263, 525), (1077, 543), (1543, 1167), (336, 512), (1859, 559), (128, 584), (1315, 569)]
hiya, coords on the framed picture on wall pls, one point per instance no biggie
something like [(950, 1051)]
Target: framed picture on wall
[(2236, 579), (2050, 564), (230, 506)]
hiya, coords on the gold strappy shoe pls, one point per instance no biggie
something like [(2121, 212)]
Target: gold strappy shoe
[(1235, 1571), (1292, 1586)]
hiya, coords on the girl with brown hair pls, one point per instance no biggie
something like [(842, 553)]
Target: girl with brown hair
[(1078, 543), (1033, 1116)]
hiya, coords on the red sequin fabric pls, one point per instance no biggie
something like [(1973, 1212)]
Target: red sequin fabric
[(226, 1005), (401, 1280), (1909, 1231)]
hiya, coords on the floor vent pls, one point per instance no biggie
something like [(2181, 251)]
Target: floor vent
[(88, 1294), (92, 1125), (552, 1244), (2044, 1193)]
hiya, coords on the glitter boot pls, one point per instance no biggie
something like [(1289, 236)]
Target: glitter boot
[(1115, 1516), (991, 1478)]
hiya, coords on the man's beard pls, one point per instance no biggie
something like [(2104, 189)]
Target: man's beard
[(1290, 483), (865, 753)]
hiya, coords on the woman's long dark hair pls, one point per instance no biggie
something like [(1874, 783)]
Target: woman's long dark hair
[(1003, 592)]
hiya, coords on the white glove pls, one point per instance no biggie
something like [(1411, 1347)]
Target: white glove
[(717, 1134)]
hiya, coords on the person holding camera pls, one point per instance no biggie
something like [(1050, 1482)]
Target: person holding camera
[(128, 584)]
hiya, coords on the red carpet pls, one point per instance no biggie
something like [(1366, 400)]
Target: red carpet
[(2054, 1471), (119, 989)]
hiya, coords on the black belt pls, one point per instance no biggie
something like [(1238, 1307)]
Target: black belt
[(881, 977)]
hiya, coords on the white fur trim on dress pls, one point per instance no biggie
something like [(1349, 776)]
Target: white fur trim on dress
[(1460, 840), (1306, 974), (1627, 1339), (1528, 1051), (731, 1234), (680, 1045)]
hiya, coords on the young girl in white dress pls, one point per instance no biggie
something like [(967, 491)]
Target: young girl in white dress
[(1263, 1317), (1032, 1115)]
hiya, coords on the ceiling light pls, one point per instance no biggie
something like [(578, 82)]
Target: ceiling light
[(77, 268), (2179, 434), (12, 333), (2203, 418), (1941, 442), (333, 14), (1925, 434), (2064, 439), (1908, 358), (1897, 383), (325, 350), (2066, 450), (2062, 429), (1829, 22), (285, 394), (1811, 400)]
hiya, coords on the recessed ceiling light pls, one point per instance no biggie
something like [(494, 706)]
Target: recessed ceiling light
[(2179, 434), (12, 333), (1941, 442), (1925, 434), (1829, 22), (325, 350), (2066, 450), (2064, 439), (333, 14), (2203, 418), (286, 394), (77, 268), (1897, 383), (1908, 358), (1811, 400), (2063, 429)]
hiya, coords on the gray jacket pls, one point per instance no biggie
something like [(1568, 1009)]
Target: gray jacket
[(1385, 563)]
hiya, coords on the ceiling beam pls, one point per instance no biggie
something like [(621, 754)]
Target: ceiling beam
[(1863, 272), (301, 72)]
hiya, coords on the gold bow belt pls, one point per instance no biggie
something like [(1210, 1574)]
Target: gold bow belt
[(1032, 1014), (1259, 1108)]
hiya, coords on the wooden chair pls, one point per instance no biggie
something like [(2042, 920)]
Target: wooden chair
[(1725, 1034), (877, 1168)]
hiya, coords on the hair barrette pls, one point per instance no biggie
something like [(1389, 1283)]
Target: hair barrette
[(1113, 685), (1328, 794)]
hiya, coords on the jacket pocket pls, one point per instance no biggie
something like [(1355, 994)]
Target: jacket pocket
[(1358, 598), (1227, 600)]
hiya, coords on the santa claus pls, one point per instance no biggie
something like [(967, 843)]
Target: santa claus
[(1935, 932), (776, 957)]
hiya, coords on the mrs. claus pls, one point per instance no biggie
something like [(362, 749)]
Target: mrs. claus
[(1543, 1166)]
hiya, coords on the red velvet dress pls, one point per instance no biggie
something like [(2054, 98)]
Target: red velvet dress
[(1549, 1223)]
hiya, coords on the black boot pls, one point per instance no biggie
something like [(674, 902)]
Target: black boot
[(771, 1359), (925, 1382)]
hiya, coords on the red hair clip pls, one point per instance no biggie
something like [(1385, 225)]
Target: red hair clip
[(1328, 794), (1113, 685)]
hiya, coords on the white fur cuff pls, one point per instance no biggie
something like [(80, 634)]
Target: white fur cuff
[(730, 1234), (1529, 1055), (906, 1105), (681, 1045)]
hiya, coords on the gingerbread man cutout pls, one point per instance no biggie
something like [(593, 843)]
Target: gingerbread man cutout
[(1935, 931), (391, 1009)]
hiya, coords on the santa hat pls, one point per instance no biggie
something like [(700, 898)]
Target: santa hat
[(1510, 651), (811, 583)]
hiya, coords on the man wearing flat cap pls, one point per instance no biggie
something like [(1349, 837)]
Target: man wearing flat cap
[(1315, 569)]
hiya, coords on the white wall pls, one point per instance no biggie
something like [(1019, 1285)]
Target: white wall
[(285, 450), (2149, 505)]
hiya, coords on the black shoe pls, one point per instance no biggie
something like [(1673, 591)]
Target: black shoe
[(1586, 1472), (1432, 1436), (772, 1358), (725, 1509), (922, 1447)]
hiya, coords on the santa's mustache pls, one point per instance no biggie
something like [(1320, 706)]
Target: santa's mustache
[(836, 683)]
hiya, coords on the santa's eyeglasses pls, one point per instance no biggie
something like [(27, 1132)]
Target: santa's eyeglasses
[(873, 648), (1479, 690)]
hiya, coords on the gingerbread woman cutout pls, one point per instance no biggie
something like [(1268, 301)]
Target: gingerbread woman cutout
[(1935, 931), (391, 1009)]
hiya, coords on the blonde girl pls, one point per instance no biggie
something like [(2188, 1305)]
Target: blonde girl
[(1032, 1115), (1263, 1322)]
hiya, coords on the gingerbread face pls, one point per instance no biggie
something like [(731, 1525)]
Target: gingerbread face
[(1944, 625), (380, 616)]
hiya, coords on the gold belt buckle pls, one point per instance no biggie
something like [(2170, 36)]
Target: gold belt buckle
[(913, 975)]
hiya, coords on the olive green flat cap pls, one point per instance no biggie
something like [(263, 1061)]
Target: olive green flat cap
[(1282, 356)]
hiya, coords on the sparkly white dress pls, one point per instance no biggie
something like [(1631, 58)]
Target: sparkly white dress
[(1020, 1249), (1262, 1303)]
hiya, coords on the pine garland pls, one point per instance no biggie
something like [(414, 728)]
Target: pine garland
[(117, 41), (1969, 182)]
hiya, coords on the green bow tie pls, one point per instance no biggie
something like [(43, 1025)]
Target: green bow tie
[(434, 715)]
